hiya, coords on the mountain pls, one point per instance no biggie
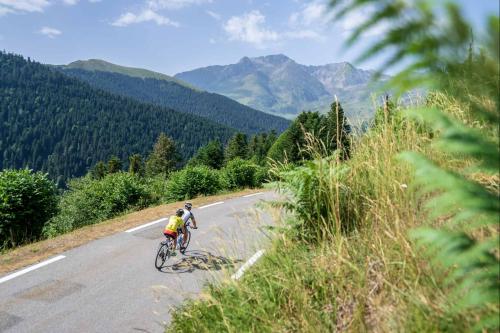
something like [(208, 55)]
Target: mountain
[(163, 90), (63, 126), (278, 85), (104, 66)]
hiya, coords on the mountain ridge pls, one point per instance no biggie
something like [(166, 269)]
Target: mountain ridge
[(279, 85)]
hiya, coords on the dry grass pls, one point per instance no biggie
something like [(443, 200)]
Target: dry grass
[(32, 253)]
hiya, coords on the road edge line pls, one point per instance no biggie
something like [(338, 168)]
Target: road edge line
[(163, 219), (249, 263), (31, 268), (251, 195), (212, 204)]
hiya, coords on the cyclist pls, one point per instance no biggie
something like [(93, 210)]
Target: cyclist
[(174, 224), (188, 214)]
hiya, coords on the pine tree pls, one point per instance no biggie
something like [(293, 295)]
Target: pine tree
[(164, 157), (136, 165), (237, 147), (212, 155), (337, 130), (99, 170), (114, 164)]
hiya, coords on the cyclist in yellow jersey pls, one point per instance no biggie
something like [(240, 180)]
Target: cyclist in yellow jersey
[(175, 222)]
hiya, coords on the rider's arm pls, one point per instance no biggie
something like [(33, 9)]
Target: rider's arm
[(194, 221)]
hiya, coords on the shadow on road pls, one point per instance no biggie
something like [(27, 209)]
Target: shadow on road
[(198, 260)]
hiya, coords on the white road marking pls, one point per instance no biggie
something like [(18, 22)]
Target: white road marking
[(251, 195), (146, 225), (215, 203), (31, 268), (250, 262)]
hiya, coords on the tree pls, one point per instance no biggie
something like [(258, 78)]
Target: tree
[(337, 130), (136, 165), (237, 147), (259, 146), (291, 144), (164, 157), (99, 170), (212, 155), (114, 164)]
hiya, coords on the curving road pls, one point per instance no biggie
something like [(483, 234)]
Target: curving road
[(111, 284)]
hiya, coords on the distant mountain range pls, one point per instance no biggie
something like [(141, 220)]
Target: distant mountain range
[(278, 85), (163, 90)]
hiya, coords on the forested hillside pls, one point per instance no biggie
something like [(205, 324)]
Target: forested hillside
[(60, 125), (179, 97)]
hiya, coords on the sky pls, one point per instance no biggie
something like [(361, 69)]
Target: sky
[(171, 36)]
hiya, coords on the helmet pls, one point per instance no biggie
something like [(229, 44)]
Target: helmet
[(188, 205), (179, 212)]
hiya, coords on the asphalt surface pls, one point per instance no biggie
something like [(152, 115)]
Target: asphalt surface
[(111, 284)]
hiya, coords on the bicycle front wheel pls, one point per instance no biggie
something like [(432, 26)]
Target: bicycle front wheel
[(162, 255)]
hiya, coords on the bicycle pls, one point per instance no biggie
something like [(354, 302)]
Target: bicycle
[(167, 246), (180, 238)]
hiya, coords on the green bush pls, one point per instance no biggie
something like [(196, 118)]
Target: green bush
[(157, 187), (27, 201), (89, 201), (241, 173), (193, 181)]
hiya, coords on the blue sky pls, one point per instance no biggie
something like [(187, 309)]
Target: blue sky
[(171, 36)]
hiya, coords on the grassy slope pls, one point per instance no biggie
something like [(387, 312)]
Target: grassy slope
[(371, 279)]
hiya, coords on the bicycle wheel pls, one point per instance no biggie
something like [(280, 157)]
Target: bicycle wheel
[(162, 255), (188, 239)]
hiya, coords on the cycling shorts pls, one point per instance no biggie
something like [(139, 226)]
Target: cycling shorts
[(171, 234)]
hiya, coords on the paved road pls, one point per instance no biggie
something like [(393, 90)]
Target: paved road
[(111, 284)]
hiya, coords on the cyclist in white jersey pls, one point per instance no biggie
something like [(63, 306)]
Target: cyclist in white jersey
[(188, 214)]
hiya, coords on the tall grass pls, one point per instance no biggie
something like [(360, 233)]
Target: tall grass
[(367, 277)]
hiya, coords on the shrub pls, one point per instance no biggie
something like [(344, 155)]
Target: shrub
[(242, 173), (27, 201), (193, 181), (89, 201)]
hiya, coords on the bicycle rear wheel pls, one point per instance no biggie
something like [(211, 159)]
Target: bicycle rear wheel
[(188, 239), (162, 255)]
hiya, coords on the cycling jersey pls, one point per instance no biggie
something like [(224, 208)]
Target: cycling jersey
[(174, 223), (187, 215)]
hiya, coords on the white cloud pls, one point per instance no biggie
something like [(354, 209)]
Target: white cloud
[(70, 2), (49, 32), (12, 6), (250, 28), (313, 14), (151, 9), (174, 4), (214, 15), (145, 16)]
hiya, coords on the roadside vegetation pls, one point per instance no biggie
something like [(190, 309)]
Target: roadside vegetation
[(401, 233)]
